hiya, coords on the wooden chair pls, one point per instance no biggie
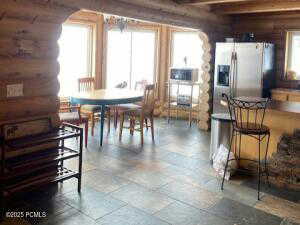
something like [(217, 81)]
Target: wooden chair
[(140, 113), (139, 86), (115, 108), (71, 114), (84, 85)]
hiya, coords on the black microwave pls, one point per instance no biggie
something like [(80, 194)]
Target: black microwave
[(184, 74)]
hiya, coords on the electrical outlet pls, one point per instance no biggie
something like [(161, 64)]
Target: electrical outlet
[(14, 90)]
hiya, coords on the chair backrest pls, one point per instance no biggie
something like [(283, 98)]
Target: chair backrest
[(247, 113), (148, 103), (86, 84), (140, 85)]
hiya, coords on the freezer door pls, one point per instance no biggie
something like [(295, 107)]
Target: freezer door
[(248, 76), (222, 80)]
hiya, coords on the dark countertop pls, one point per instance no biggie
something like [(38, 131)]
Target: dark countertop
[(285, 106)]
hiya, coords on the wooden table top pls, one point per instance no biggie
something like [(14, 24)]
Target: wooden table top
[(107, 97)]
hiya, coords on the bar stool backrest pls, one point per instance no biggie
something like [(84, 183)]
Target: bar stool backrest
[(247, 113), (86, 84)]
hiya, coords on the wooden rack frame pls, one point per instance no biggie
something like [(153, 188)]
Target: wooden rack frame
[(175, 105), (33, 169)]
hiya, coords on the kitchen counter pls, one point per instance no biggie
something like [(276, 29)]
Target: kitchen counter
[(285, 106), (287, 91)]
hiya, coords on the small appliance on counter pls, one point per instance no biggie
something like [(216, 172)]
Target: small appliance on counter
[(184, 74), (184, 100)]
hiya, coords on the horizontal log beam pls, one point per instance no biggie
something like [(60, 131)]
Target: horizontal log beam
[(42, 87), (15, 68), (177, 15), (207, 2), (27, 107), (34, 10), (257, 7), (17, 28)]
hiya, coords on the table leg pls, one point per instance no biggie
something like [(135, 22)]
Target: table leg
[(102, 123)]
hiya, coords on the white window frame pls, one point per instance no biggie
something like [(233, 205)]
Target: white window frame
[(91, 43), (172, 33), (133, 28), (289, 50)]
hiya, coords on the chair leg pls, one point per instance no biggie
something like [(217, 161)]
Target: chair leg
[(132, 126), (93, 123), (116, 117), (152, 126), (108, 120), (86, 132), (258, 183), (121, 125), (266, 164), (225, 169), (142, 129), (146, 122)]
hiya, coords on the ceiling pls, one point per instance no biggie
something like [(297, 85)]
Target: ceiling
[(232, 7)]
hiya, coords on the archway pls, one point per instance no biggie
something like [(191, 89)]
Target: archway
[(29, 31), (164, 44)]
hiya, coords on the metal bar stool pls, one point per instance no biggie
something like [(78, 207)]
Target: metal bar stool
[(247, 116)]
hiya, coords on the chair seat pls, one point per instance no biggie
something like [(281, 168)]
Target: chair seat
[(71, 117), (91, 108), (252, 128), (129, 106)]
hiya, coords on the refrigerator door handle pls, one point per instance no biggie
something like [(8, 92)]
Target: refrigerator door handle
[(234, 74), (231, 71)]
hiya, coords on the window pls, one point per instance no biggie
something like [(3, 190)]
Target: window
[(293, 55), (131, 57), (186, 51), (75, 56)]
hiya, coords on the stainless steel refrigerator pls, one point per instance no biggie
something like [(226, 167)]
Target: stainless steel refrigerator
[(242, 69)]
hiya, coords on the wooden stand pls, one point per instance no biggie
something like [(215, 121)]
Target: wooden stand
[(174, 103), (33, 169)]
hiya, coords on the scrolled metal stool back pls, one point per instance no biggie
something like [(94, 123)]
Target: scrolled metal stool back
[(247, 113)]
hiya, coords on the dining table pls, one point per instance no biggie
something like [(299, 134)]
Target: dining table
[(104, 98)]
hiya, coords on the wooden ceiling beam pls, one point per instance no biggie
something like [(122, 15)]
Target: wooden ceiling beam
[(208, 2), (257, 7)]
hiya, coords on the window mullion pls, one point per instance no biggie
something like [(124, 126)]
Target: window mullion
[(131, 59)]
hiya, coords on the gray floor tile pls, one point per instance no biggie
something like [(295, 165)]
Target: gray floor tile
[(189, 194), (233, 191), (71, 217), (244, 214), (93, 203), (182, 214), (144, 177), (142, 198), (103, 181), (130, 216)]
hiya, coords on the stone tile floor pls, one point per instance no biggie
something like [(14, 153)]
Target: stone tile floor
[(167, 182)]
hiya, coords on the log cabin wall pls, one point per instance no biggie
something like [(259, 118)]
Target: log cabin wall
[(29, 30), (270, 27)]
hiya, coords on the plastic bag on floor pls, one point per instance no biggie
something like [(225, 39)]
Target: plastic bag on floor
[(219, 162)]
